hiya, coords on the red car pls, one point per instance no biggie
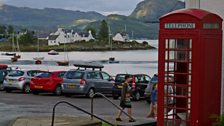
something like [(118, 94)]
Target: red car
[(47, 82)]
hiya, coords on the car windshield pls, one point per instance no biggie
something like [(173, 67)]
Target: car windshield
[(74, 75), (120, 77), (44, 75), (16, 73)]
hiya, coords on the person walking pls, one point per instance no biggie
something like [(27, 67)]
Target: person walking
[(125, 101), (153, 106)]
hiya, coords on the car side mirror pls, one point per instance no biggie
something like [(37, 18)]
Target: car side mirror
[(111, 79)]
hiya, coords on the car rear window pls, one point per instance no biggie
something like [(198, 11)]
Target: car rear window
[(44, 75), (120, 78), (16, 73), (74, 75), (33, 73)]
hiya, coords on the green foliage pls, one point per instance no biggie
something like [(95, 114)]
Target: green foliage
[(2, 29), (92, 29), (219, 120), (27, 38), (10, 29), (103, 31)]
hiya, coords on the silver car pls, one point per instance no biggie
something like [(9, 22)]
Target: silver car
[(87, 82), (19, 80)]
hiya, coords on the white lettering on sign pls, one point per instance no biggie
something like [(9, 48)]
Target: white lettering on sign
[(179, 25), (210, 26)]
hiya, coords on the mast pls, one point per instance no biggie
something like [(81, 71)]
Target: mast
[(17, 43), (13, 43), (110, 42)]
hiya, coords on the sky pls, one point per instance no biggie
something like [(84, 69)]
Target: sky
[(124, 7)]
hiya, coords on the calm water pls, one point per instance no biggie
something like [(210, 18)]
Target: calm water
[(140, 61)]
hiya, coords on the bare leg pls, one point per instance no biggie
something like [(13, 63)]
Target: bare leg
[(155, 110), (150, 114), (119, 113), (130, 112)]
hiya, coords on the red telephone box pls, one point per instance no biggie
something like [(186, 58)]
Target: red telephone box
[(190, 58)]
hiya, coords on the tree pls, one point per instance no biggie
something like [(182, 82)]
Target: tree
[(2, 29), (26, 38), (92, 29), (104, 31), (10, 29)]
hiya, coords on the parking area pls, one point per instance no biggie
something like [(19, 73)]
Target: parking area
[(17, 104)]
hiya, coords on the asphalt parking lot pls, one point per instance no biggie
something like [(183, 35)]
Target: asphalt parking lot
[(17, 104)]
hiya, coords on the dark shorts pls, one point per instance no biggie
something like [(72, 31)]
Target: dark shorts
[(126, 103)]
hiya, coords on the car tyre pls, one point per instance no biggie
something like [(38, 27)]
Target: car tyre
[(90, 93), (26, 88), (137, 96), (35, 92), (57, 90), (8, 90), (115, 97)]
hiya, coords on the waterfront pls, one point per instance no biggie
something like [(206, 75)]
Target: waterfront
[(134, 61)]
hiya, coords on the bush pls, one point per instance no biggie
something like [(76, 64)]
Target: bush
[(219, 120)]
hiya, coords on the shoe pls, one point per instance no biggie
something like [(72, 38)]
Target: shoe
[(118, 119), (131, 120)]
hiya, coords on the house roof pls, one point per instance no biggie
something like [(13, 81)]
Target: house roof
[(84, 34), (53, 37)]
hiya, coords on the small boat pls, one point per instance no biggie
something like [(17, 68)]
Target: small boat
[(63, 63), (53, 52), (9, 54), (38, 62), (38, 58), (14, 59), (112, 60), (17, 56)]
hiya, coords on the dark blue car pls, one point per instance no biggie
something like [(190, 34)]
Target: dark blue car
[(138, 85)]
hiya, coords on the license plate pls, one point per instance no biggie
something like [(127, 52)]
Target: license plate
[(11, 81), (71, 86), (119, 86), (39, 87)]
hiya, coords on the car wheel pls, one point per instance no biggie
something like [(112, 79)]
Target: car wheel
[(8, 90), (115, 97), (137, 96), (35, 92), (68, 95), (91, 92), (148, 101), (26, 88), (57, 90)]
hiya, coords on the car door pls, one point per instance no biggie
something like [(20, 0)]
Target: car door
[(107, 83), (142, 82), (96, 80)]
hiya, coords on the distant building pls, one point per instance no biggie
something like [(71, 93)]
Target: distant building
[(121, 37), (61, 37)]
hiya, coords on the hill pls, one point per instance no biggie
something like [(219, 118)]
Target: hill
[(152, 10), (48, 17), (142, 23)]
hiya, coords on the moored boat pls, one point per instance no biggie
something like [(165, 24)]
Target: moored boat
[(53, 52)]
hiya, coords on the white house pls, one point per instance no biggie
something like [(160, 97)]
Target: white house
[(61, 37), (52, 40), (122, 37)]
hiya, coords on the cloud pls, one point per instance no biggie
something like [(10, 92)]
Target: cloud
[(1, 3)]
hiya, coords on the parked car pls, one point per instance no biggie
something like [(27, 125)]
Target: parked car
[(138, 84), (3, 73), (19, 80), (87, 82), (47, 82), (150, 85)]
